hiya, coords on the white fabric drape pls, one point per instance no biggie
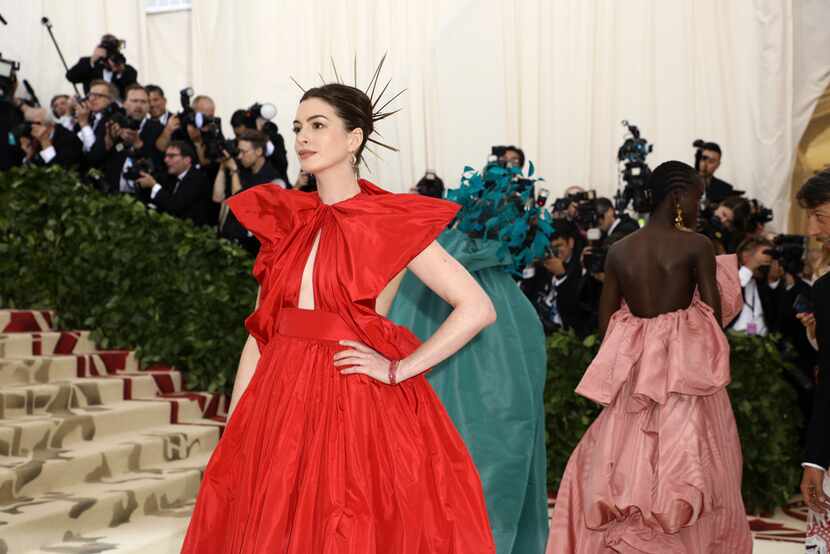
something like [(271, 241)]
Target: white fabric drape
[(553, 76)]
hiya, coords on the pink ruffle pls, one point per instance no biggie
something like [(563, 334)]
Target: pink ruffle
[(686, 352)]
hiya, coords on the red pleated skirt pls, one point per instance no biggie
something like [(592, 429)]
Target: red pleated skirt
[(313, 461)]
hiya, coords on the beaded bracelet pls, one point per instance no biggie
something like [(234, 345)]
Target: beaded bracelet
[(393, 368)]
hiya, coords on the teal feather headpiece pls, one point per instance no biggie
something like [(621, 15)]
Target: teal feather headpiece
[(499, 204)]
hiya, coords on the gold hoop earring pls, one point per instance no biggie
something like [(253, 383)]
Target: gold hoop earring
[(678, 219)]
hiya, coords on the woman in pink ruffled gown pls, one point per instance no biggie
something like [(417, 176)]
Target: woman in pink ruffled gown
[(659, 471)]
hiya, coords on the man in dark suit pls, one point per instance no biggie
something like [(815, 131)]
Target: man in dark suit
[(707, 162), (186, 191), (107, 63), (50, 144), (556, 284), (135, 142), (613, 226), (814, 197)]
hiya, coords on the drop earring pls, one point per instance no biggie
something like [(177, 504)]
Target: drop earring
[(678, 219)]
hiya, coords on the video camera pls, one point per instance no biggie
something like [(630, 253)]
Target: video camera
[(8, 78), (789, 250), (635, 171)]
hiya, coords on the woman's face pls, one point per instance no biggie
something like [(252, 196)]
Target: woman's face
[(321, 140)]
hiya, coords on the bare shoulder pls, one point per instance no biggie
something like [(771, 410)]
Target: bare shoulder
[(700, 244)]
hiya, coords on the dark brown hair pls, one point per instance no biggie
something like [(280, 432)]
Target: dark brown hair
[(256, 138), (668, 177), (185, 150), (815, 192), (132, 87), (351, 104)]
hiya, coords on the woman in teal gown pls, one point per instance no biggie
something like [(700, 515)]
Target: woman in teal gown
[(493, 390)]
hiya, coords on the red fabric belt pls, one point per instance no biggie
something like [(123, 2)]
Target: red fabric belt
[(314, 324)]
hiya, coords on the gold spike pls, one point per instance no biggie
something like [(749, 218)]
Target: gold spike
[(322, 79), (375, 102), (296, 83), (373, 141), (336, 74), (391, 100), (373, 81), (355, 70)]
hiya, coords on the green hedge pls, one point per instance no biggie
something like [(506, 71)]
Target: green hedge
[(764, 404), (136, 278)]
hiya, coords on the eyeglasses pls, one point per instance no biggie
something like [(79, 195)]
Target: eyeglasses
[(98, 95)]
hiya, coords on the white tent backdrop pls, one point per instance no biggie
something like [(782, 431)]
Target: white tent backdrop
[(552, 76)]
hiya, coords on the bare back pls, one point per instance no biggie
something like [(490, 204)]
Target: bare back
[(656, 271)]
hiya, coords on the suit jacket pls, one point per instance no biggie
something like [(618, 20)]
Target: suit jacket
[(112, 163), (188, 198), (625, 227), (569, 299), (69, 150), (84, 72), (818, 432), (719, 190)]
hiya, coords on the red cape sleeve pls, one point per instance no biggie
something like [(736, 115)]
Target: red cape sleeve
[(264, 210)]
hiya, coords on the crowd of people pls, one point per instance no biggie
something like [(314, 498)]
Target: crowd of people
[(122, 137)]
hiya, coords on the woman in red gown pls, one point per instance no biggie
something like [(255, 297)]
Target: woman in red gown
[(336, 443)]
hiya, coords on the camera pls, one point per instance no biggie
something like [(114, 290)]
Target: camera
[(761, 215), (143, 165), (586, 211), (113, 47), (124, 121), (595, 260), (635, 171), (22, 130), (231, 147), (789, 251), (8, 78)]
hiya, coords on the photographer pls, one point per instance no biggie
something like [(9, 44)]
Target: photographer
[(130, 139), (613, 228), (231, 179), (512, 156), (10, 116), (429, 185), (90, 115), (814, 197), (755, 261), (158, 104), (202, 108), (44, 143), (252, 120), (107, 63), (707, 162), (62, 111), (185, 192), (554, 284)]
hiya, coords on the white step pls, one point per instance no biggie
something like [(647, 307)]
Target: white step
[(52, 469), (60, 430), (81, 509)]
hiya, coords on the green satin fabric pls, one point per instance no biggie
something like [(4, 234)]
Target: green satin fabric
[(493, 391)]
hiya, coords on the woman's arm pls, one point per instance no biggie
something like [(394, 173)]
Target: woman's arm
[(706, 274), (247, 366), (472, 312), (609, 300)]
